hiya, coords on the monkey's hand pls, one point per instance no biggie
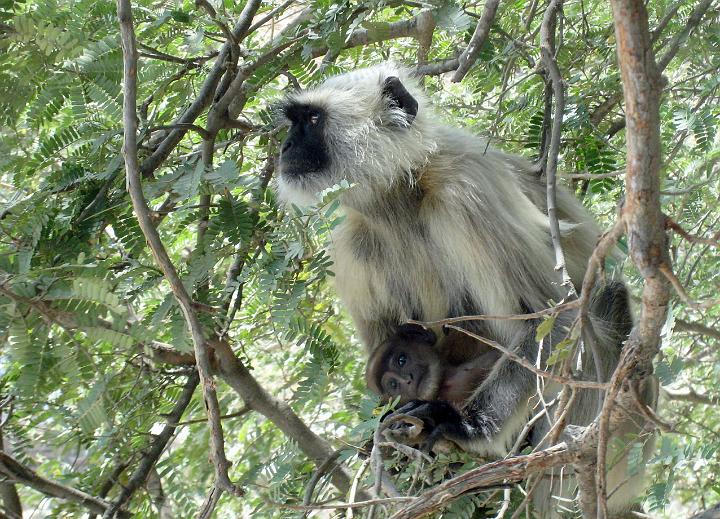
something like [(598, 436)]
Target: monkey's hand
[(440, 420)]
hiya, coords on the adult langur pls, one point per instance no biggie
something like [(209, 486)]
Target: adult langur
[(439, 225)]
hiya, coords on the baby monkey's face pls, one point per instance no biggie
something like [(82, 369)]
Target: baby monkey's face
[(411, 370)]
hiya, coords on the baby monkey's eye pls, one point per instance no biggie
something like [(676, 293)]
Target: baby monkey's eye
[(402, 360), (393, 385), (314, 118)]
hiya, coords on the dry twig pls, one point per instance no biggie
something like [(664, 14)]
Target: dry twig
[(587, 384)]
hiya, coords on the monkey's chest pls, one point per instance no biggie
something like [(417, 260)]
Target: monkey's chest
[(389, 272)]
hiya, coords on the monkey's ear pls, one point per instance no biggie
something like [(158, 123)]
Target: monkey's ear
[(398, 95), (416, 333)]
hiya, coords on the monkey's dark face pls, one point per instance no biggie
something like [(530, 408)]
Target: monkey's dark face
[(364, 127), (407, 365), (304, 151), (411, 371)]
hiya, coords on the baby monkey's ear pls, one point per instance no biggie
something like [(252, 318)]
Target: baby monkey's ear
[(411, 332)]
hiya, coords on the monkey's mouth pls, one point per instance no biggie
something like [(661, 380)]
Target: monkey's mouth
[(293, 166)]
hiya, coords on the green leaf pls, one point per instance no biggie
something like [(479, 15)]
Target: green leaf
[(561, 351), (98, 290), (117, 339), (91, 409), (544, 328), (187, 183)]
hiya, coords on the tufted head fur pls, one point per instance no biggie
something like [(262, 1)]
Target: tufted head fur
[(371, 118)]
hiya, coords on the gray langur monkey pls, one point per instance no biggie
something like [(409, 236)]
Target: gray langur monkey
[(440, 225)]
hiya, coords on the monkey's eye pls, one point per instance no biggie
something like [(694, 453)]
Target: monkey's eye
[(393, 385), (314, 118), (401, 360)]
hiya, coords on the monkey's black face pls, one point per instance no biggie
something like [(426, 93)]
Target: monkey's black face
[(304, 150)]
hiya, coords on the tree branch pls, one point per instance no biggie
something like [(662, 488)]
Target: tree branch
[(159, 351), (489, 475), (8, 493), (691, 396), (254, 395), (205, 95), (710, 513), (642, 86), (16, 471), (142, 213), (686, 326), (588, 384), (548, 51), (680, 38), (482, 30)]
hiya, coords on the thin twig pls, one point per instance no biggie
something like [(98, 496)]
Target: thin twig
[(563, 307), (262, 21), (185, 126), (156, 448), (322, 469), (336, 506), (666, 270), (210, 10), (586, 384), (680, 38), (714, 241), (353, 488), (648, 413)]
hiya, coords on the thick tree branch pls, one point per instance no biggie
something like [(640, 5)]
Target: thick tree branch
[(254, 395), (491, 474), (8, 492), (142, 212), (482, 30), (645, 222), (17, 472)]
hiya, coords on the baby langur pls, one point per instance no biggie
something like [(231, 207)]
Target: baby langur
[(409, 365)]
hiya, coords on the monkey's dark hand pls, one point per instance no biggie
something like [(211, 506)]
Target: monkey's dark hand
[(440, 420)]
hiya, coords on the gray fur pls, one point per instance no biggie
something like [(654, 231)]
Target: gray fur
[(439, 224)]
